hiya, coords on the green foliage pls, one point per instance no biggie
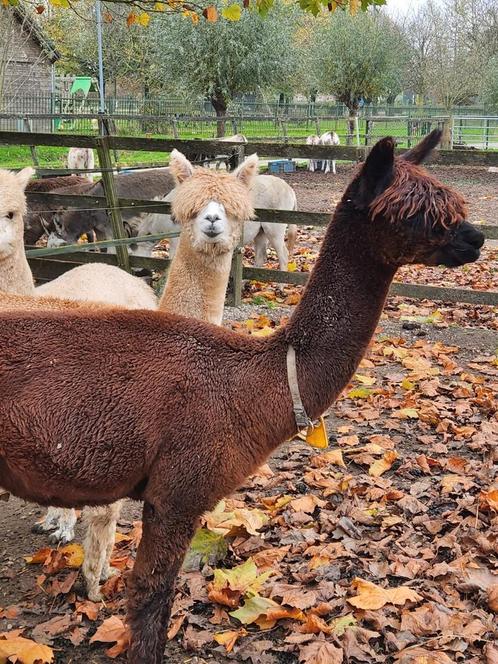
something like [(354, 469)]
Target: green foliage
[(357, 57), (489, 85), (223, 59)]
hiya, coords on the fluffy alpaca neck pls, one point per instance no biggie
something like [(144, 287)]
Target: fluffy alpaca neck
[(15, 274), (330, 330), (197, 283)]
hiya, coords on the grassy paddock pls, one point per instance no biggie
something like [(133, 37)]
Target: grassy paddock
[(271, 129)]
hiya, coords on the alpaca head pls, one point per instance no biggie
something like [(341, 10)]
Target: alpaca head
[(12, 209), (211, 206), (412, 217)]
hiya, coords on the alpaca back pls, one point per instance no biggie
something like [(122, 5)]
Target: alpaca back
[(14, 302), (98, 282)]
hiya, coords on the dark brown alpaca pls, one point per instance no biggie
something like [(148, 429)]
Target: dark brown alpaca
[(189, 410)]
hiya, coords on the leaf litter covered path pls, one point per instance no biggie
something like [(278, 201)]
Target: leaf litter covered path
[(383, 548)]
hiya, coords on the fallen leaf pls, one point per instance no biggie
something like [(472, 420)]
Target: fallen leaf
[(24, 651), (307, 504), (320, 651), (230, 638), (88, 609), (380, 466), (113, 630), (374, 597)]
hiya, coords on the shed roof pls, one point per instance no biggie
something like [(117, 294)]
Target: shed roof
[(25, 19)]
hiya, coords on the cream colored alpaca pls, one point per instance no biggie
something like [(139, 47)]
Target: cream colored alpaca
[(211, 208), (15, 273)]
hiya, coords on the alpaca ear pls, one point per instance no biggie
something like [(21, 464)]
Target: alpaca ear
[(24, 176), (376, 174), (180, 166), (421, 151), (248, 169)]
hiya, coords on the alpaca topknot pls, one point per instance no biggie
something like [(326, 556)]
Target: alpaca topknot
[(204, 186), (416, 192)]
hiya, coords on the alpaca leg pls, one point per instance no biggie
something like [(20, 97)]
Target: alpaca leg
[(64, 532), (165, 540), (260, 244), (50, 521), (333, 167), (59, 522), (99, 540), (327, 166), (283, 255), (311, 165)]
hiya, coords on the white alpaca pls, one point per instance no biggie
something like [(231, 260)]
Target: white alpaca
[(313, 163), (78, 158), (273, 193), (329, 138)]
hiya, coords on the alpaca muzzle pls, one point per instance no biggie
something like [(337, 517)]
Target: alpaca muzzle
[(465, 247)]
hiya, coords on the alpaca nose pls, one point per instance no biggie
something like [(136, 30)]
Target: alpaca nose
[(212, 218)]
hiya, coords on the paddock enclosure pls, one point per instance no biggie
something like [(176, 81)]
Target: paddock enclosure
[(49, 263), (442, 458)]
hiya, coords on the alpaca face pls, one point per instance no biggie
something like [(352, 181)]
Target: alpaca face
[(12, 208), (412, 217), (212, 206), (212, 229)]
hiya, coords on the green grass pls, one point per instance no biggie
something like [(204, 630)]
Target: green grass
[(54, 157)]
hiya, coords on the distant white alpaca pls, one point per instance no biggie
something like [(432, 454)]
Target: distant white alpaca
[(78, 158), (270, 192), (329, 138), (313, 163)]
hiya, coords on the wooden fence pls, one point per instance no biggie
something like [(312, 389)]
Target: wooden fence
[(48, 263)]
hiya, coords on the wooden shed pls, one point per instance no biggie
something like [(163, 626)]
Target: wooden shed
[(27, 59)]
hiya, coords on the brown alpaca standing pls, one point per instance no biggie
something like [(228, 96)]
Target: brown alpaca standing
[(194, 409)]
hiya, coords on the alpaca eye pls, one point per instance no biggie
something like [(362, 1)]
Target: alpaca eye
[(10, 215)]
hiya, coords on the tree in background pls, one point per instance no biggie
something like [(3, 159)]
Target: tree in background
[(224, 59), (489, 83), (451, 43), (358, 58), (126, 49)]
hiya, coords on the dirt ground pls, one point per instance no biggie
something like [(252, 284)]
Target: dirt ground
[(445, 462)]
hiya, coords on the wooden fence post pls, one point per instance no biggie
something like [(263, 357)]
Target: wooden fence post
[(234, 294), (446, 139), (118, 231)]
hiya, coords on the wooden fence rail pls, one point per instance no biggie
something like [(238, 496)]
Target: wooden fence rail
[(48, 263)]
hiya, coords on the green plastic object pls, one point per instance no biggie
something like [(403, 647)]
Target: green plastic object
[(81, 84)]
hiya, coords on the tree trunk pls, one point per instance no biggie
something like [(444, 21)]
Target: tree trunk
[(219, 104)]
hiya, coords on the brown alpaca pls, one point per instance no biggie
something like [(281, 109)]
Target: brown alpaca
[(38, 218), (211, 207), (217, 403), (200, 281)]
